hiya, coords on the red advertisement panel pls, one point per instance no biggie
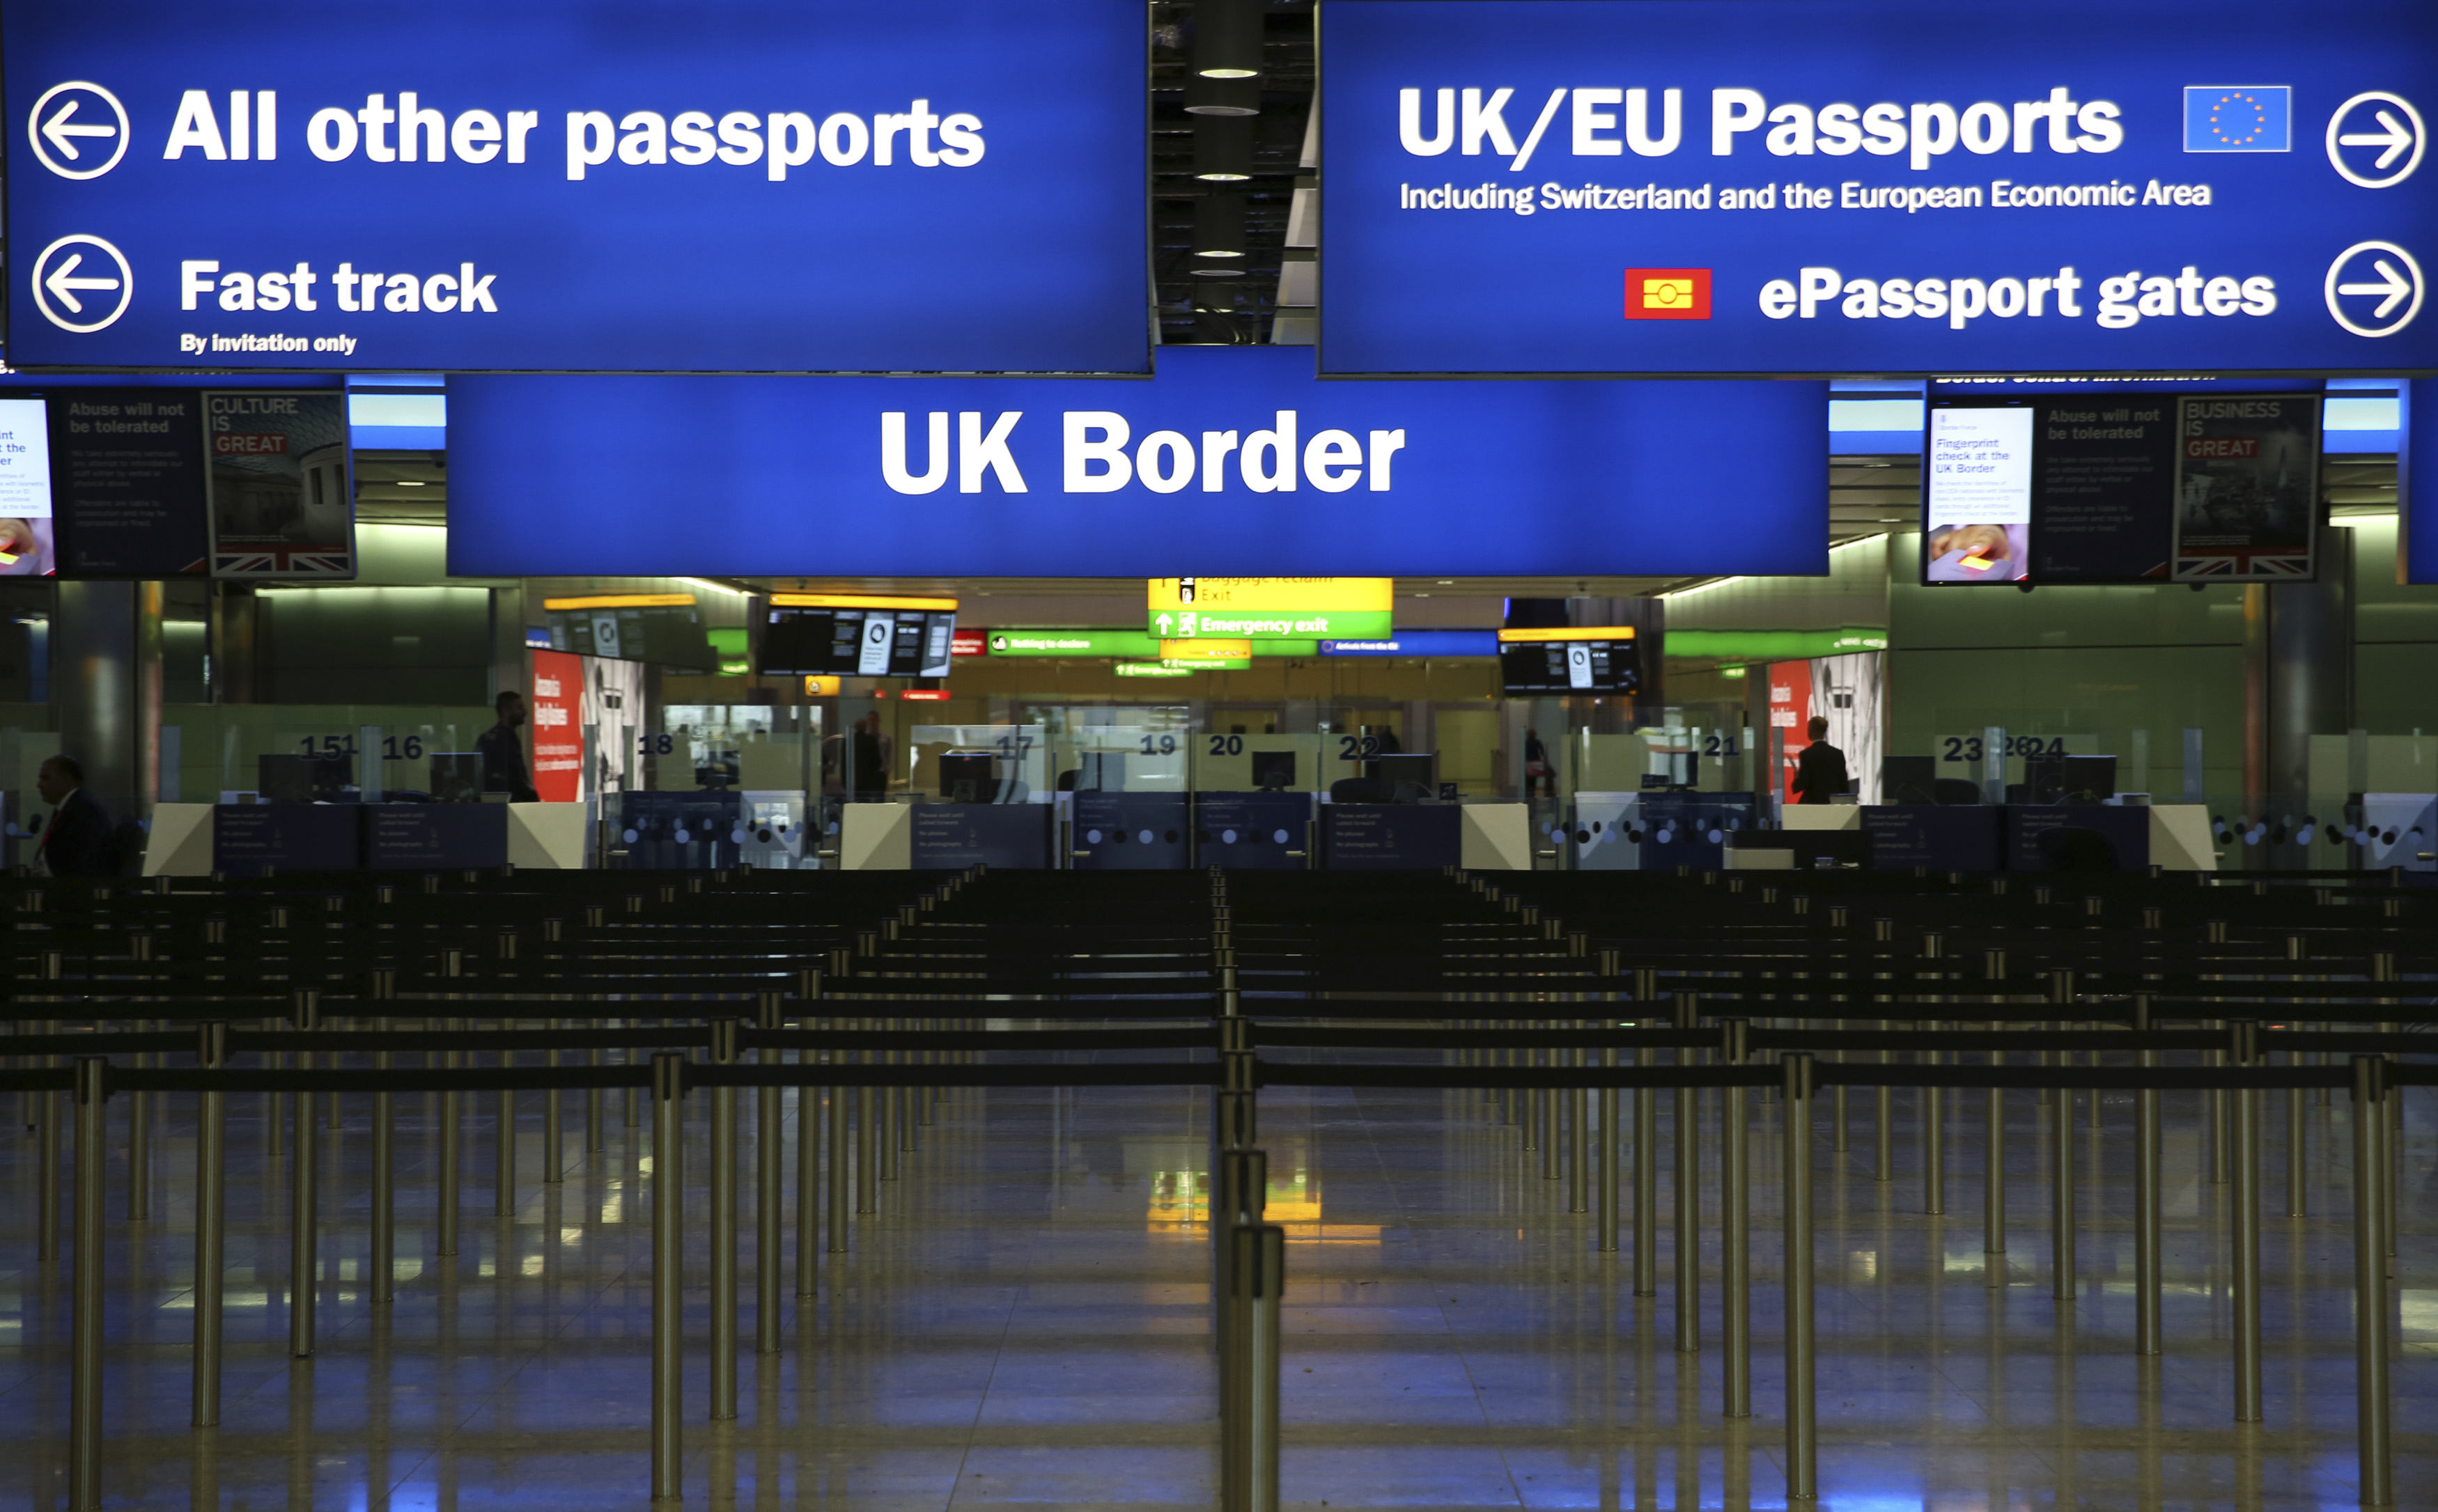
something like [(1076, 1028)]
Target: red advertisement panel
[(557, 738)]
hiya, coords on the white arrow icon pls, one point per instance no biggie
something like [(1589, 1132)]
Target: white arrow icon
[(1162, 622), (52, 133), (61, 133), (2400, 283), (2396, 288), (2395, 139), (2400, 134), (55, 287), (62, 285)]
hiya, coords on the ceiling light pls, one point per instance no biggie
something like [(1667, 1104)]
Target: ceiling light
[(1228, 38), (1222, 97), (410, 482), (1223, 148), (1219, 228)]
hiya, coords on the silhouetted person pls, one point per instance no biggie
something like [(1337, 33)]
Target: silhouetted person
[(75, 842), (1537, 772), (503, 752), (1820, 771)]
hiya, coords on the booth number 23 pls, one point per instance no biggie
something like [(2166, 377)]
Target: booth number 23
[(1968, 748)]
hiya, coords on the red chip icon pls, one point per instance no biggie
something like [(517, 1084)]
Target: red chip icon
[(1668, 294)]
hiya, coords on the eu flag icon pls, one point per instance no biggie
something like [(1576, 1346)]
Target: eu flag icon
[(2238, 117)]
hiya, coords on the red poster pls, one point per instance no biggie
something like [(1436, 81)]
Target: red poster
[(557, 738), (1789, 716)]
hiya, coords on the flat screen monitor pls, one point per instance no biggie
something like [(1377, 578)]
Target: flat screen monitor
[(1407, 771), (1977, 494), (869, 642), (1910, 778), (457, 777), (1604, 665), (303, 778), (1274, 771), (966, 777), (668, 636), (2087, 779)]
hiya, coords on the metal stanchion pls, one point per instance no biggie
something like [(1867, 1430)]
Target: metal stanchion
[(2295, 1148), (1993, 1184), (1611, 1175), (837, 1132), (668, 1282), (1802, 1431), (84, 1324), (1248, 1478), (723, 1227), (553, 1147), (1883, 1146), (211, 1226), (1579, 1109), (1934, 1140), (2246, 1288), (504, 1180), (2062, 1205), (139, 1131), (1688, 1216), (383, 1258), (868, 1140), (2145, 1197), (769, 1159), (303, 1218), (1646, 1184), (2371, 1301), (1240, 1192), (1734, 1211), (451, 1156)]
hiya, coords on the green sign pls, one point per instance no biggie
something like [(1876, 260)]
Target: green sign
[(1133, 643), (1153, 669), (1273, 625)]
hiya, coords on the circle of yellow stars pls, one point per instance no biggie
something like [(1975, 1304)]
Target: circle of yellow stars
[(2259, 120)]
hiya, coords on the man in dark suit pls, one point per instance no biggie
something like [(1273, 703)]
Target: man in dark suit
[(75, 842), (1820, 771), (504, 752)]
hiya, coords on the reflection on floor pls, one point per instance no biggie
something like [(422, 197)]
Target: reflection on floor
[(1026, 1322)]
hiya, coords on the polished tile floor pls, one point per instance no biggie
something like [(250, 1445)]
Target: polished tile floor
[(1026, 1322)]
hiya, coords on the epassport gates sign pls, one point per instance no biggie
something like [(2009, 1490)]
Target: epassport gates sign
[(1877, 186)]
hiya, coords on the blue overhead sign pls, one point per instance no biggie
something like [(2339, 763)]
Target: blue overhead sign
[(1718, 187), (789, 186), (1235, 460)]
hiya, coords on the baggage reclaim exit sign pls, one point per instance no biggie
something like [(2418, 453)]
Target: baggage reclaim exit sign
[(1271, 608)]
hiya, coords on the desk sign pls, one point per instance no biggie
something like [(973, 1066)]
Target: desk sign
[(742, 184), (1679, 186)]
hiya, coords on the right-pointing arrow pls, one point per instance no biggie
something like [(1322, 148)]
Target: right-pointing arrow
[(59, 131), (59, 284), (2396, 288)]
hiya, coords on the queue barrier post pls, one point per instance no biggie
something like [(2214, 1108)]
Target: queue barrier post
[(84, 1370), (723, 1227), (2371, 1300), (304, 1215), (1248, 1480), (1802, 1431), (668, 1280), (211, 1220)]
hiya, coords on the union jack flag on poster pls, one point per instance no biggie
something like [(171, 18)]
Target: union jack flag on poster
[(2247, 488), (279, 484)]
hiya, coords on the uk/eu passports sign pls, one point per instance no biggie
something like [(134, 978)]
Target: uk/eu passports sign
[(785, 185), (1839, 186)]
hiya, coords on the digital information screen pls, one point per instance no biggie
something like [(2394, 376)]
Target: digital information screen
[(1977, 499), (868, 643), (1573, 661), (25, 486), (2121, 486)]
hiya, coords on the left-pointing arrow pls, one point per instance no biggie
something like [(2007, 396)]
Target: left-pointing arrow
[(60, 131), (61, 283)]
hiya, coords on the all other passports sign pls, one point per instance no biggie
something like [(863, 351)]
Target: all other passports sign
[(1877, 186), (790, 186)]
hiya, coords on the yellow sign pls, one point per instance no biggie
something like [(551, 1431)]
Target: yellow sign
[(1270, 595), (1571, 632), (821, 687), (1218, 648), (855, 600), (623, 600)]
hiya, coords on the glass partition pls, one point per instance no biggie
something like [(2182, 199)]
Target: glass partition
[(978, 763)]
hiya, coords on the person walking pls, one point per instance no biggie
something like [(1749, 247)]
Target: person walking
[(1820, 772)]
